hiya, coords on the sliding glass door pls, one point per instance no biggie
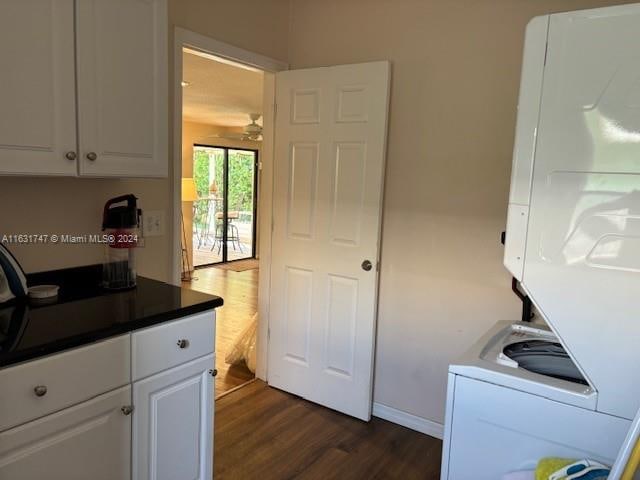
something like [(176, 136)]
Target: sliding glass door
[(225, 214)]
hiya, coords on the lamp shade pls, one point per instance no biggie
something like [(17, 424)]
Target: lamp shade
[(189, 193)]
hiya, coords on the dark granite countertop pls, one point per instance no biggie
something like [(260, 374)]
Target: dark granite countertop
[(85, 313)]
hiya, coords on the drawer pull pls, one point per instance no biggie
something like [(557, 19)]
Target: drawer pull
[(40, 391), (183, 343), (127, 410)]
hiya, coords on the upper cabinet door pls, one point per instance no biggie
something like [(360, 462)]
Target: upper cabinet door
[(37, 88), (122, 87)]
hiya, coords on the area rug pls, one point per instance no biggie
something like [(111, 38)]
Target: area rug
[(239, 265)]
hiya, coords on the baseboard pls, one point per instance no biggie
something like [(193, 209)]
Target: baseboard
[(419, 424)]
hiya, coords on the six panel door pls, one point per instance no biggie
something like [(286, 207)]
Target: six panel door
[(328, 176), (122, 87), (37, 88), (89, 441), (173, 423)]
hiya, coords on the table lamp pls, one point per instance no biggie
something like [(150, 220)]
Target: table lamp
[(189, 194)]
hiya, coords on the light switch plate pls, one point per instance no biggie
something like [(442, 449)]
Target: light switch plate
[(153, 223)]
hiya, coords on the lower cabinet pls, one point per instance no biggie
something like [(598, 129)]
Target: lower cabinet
[(91, 440), (57, 422), (173, 423)]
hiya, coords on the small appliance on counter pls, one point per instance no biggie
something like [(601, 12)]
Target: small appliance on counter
[(121, 225), (13, 283)]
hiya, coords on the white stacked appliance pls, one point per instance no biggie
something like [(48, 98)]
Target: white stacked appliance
[(569, 385)]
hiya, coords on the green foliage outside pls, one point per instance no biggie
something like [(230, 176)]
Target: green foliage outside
[(241, 171), (201, 172), (240, 180)]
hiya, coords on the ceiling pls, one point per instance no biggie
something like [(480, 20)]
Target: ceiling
[(219, 93)]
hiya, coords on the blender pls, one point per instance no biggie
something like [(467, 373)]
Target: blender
[(121, 227)]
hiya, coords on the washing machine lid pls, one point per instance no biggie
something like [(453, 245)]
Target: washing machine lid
[(486, 360), (541, 354)]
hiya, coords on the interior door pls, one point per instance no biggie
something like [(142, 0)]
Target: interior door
[(91, 440), (331, 127), (122, 88), (37, 88)]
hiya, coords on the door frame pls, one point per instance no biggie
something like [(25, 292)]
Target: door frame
[(254, 212), (218, 50)]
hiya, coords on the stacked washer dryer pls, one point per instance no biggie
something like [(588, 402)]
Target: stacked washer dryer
[(569, 387)]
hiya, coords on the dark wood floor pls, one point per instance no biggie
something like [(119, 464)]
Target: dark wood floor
[(265, 434), (240, 293)]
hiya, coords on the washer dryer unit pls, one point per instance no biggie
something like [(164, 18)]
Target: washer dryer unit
[(573, 243)]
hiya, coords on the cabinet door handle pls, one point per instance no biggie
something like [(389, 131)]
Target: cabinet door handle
[(183, 343), (213, 372), (40, 390), (70, 156), (127, 410), (92, 156)]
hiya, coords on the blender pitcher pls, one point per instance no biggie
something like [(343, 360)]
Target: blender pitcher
[(120, 224)]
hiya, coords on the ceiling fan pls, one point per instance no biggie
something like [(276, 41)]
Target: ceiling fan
[(252, 131)]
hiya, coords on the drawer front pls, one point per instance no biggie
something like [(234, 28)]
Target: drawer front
[(34, 389), (168, 345)]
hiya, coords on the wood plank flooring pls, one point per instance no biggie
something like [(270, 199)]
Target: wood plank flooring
[(240, 293), (263, 433)]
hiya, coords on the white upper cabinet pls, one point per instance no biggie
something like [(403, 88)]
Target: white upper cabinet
[(84, 88), (37, 88), (122, 87)]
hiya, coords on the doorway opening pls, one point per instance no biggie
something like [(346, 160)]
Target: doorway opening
[(222, 107), (317, 296)]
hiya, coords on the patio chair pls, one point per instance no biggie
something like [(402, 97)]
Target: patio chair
[(233, 235)]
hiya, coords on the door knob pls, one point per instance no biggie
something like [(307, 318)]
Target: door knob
[(40, 390), (92, 156), (70, 155), (367, 265)]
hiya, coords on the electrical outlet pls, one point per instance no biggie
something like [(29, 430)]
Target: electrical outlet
[(153, 223)]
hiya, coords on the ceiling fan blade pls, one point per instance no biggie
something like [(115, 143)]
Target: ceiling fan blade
[(231, 136)]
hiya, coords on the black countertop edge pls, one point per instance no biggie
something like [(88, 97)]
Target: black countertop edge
[(85, 313), (36, 353)]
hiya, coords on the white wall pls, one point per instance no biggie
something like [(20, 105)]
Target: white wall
[(456, 69)]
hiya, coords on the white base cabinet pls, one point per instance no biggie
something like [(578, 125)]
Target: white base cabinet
[(173, 423), (99, 413), (88, 441)]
